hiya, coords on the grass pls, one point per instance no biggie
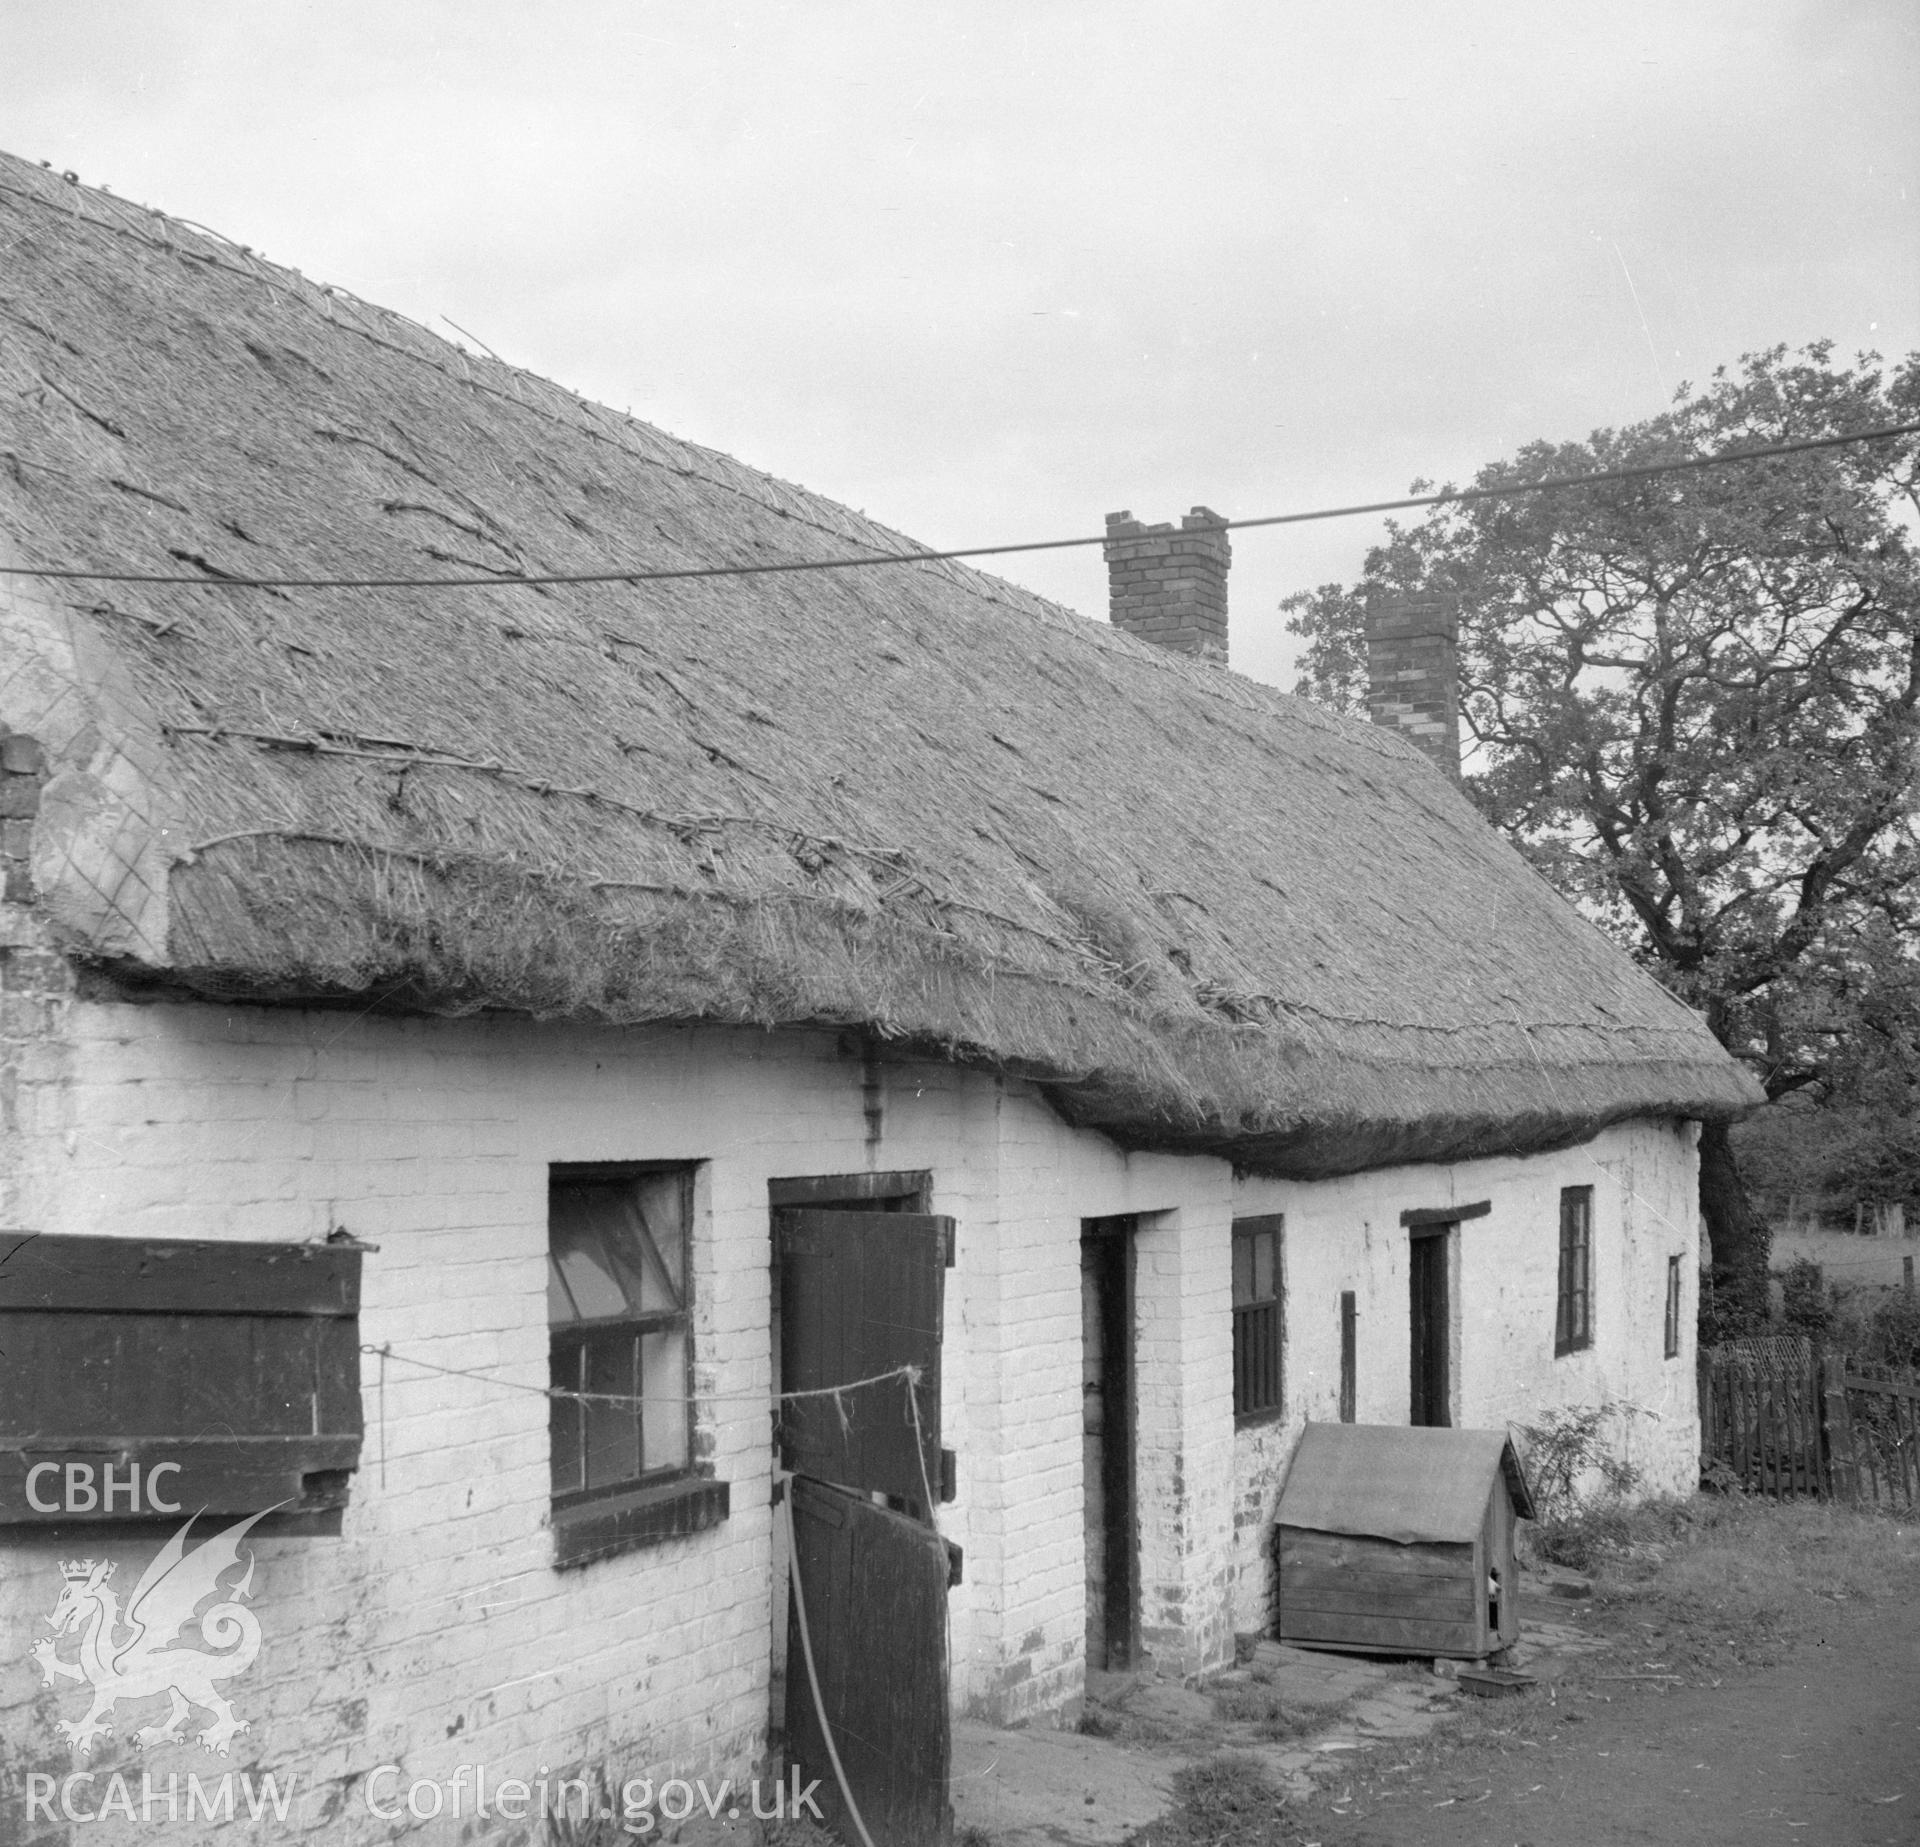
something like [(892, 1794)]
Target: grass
[(1703, 1587), (1846, 1258), (606, 1826), (1256, 1705), (1227, 1798), (1730, 1563)]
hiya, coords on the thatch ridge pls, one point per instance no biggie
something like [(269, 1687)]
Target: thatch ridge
[(917, 801)]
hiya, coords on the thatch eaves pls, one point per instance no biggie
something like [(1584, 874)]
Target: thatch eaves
[(917, 802)]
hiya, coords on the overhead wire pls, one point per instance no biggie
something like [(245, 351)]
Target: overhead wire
[(1639, 471)]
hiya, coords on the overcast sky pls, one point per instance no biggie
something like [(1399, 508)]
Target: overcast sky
[(991, 270)]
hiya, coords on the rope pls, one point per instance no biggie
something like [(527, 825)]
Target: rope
[(909, 1373), (813, 1676), (919, 1443)]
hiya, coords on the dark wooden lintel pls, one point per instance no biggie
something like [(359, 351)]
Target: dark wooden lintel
[(911, 1188), (1445, 1215)]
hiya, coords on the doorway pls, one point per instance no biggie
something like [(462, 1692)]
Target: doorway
[(1432, 1324), (1107, 1441)]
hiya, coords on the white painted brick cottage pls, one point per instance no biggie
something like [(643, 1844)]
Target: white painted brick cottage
[(465, 1050)]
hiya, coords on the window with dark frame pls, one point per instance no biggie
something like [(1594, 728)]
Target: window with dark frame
[(618, 1305), (1258, 1325), (1674, 1283), (1573, 1316)]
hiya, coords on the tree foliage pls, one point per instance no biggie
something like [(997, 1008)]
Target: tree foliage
[(1851, 1136), (1693, 699)]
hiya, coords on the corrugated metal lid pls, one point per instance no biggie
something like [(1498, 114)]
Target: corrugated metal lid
[(1392, 1481)]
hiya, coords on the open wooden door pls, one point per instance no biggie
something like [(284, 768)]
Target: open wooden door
[(876, 1588), (861, 1295)]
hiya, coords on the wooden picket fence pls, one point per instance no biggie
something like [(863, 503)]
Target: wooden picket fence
[(1760, 1414), (1873, 1435), (1784, 1419)]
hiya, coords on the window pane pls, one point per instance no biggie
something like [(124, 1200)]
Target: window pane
[(563, 1420), (661, 1201), (590, 1276), (1242, 1272), (627, 1239), (1263, 1266), (1573, 1314), (560, 1306), (613, 1430), (1256, 1359), (663, 1368)]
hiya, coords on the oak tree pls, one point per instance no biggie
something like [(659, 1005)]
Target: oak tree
[(1693, 699)]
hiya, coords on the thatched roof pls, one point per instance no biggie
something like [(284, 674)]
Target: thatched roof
[(916, 802)]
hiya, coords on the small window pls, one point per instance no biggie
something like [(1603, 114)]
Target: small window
[(1573, 1318), (619, 1309), (1673, 1307), (1257, 1317)]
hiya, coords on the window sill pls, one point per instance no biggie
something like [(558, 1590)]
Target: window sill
[(1254, 1420), (1578, 1346), (629, 1522)]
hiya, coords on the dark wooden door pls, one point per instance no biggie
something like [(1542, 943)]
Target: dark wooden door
[(861, 1295), (1107, 1446), (1432, 1323), (875, 1588)]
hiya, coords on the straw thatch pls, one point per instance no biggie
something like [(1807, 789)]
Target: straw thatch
[(916, 801)]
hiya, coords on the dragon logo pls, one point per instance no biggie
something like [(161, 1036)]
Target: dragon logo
[(138, 1654)]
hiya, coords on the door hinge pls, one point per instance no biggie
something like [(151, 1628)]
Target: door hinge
[(949, 1475)]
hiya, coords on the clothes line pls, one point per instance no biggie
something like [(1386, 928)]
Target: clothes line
[(911, 1374)]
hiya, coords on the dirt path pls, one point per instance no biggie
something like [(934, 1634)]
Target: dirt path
[(1823, 1747)]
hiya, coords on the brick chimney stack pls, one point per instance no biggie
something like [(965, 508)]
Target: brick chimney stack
[(1170, 586), (1413, 674)]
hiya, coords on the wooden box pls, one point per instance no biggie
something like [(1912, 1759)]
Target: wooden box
[(1400, 1541)]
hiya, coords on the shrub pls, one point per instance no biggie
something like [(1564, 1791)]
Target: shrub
[(1894, 1327), (1806, 1306), (1578, 1483), (1879, 1326)]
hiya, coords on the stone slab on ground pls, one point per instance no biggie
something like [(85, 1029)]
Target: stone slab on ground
[(1165, 1702), (1044, 1788), (1545, 1647), (1305, 1677), (1039, 1785)]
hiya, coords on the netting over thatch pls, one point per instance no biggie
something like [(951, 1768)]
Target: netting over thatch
[(916, 801)]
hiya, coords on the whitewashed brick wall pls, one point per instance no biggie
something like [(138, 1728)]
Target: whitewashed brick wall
[(1346, 1234), (435, 1631)]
